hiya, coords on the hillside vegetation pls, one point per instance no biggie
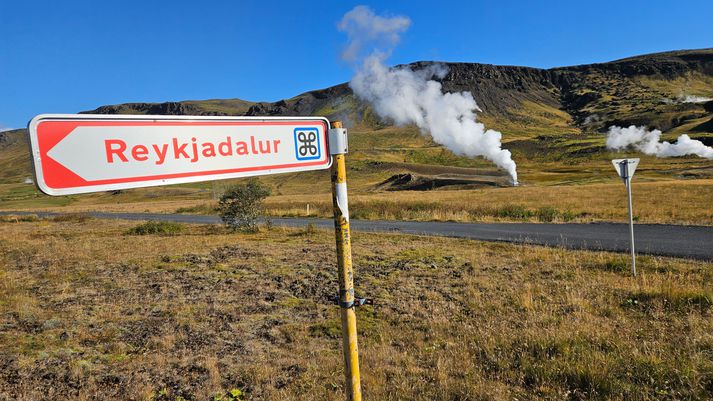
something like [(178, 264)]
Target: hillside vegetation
[(552, 120)]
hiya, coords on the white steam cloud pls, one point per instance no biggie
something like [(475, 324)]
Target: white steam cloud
[(649, 142), (682, 98), (414, 97), (365, 29), (695, 99)]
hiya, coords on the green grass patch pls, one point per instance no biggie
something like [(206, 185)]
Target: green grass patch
[(617, 266), (156, 228), (329, 329), (669, 298), (545, 214)]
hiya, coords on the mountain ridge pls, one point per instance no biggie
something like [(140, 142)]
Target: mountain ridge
[(640, 90), (552, 121)]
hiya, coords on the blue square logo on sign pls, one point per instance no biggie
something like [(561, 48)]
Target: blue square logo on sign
[(307, 144)]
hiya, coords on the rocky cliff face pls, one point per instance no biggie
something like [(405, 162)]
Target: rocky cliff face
[(168, 108), (638, 90), (498, 89), (11, 137)]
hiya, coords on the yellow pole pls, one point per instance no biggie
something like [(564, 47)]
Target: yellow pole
[(346, 274)]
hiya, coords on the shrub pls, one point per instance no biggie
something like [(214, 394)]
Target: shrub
[(156, 227), (569, 215), (241, 205), (547, 214), (513, 212)]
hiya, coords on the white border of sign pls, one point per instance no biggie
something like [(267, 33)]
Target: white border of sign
[(37, 162)]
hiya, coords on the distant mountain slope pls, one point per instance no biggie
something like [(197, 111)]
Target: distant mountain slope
[(14, 157), (552, 121), (662, 90), (216, 107)]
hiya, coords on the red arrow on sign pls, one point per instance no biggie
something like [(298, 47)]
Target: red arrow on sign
[(89, 153)]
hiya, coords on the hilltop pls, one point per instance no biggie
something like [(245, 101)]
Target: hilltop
[(662, 90)]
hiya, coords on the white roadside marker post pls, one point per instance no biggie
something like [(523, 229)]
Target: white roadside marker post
[(626, 168)]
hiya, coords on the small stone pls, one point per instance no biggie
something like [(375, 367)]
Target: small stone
[(50, 324)]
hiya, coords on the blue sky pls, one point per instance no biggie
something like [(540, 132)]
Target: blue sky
[(68, 56)]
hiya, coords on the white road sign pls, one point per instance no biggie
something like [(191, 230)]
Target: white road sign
[(88, 153), (625, 167)]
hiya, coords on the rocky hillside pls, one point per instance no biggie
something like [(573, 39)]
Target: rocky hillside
[(663, 90), (552, 121)]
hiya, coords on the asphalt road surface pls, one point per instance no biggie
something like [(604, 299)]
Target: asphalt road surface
[(695, 242)]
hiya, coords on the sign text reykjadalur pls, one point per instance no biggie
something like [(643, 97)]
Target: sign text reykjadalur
[(87, 153)]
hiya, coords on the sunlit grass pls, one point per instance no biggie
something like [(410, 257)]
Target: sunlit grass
[(205, 311)]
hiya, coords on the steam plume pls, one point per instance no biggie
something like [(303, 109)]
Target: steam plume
[(365, 29), (414, 97), (695, 99), (649, 142)]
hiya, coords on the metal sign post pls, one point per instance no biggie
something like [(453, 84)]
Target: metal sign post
[(347, 300), (626, 168)]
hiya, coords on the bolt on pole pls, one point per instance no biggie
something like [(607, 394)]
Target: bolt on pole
[(344, 262)]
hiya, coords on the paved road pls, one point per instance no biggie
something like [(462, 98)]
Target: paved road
[(694, 242)]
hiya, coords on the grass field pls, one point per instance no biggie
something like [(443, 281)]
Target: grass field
[(91, 310), (674, 202), (566, 176), (678, 202)]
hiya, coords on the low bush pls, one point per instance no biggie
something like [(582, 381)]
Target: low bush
[(241, 205), (547, 214), (157, 228), (513, 212)]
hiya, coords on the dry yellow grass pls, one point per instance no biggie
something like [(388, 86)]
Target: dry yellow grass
[(677, 202), (88, 312), (674, 202), (566, 176)]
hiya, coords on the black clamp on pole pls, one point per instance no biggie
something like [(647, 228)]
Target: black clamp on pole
[(356, 302)]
